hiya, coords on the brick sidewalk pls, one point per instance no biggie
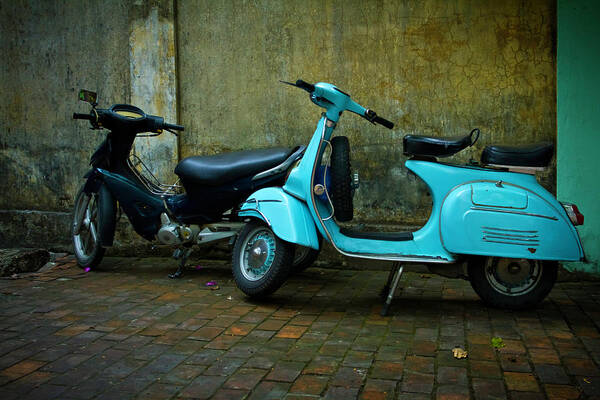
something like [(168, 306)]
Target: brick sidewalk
[(129, 332)]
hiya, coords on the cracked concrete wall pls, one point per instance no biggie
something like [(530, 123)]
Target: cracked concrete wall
[(50, 50), (433, 67), (154, 81)]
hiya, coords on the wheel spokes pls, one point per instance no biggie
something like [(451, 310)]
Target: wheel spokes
[(93, 232), (81, 212)]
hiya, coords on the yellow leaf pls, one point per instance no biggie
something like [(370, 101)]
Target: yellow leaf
[(459, 353)]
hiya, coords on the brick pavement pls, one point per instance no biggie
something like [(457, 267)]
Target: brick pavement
[(129, 332)]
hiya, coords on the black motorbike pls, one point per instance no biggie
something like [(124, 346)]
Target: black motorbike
[(200, 207)]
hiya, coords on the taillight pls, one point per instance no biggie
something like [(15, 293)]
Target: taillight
[(573, 212)]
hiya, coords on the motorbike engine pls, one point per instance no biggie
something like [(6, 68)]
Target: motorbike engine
[(169, 231), (173, 233)]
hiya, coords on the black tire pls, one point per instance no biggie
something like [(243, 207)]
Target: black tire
[(511, 283), (93, 214), (341, 182), (304, 257), (274, 267)]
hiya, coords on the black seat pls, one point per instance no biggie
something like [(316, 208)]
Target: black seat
[(416, 145), (226, 167), (534, 155)]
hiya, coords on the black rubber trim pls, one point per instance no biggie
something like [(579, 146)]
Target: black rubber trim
[(390, 236)]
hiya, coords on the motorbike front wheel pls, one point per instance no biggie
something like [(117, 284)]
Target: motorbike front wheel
[(514, 283), (261, 261), (85, 230)]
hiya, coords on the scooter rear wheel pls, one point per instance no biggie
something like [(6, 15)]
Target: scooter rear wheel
[(85, 231), (261, 261), (513, 283)]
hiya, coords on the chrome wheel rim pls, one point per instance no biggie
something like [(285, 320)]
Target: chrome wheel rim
[(513, 276), (85, 226), (256, 258)]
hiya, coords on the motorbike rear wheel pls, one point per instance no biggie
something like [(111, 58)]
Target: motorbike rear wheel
[(85, 230), (513, 283), (261, 261)]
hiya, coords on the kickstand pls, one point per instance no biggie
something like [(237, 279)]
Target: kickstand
[(183, 256), (386, 288), (396, 272)]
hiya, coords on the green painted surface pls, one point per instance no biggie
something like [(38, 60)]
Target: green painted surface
[(579, 119)]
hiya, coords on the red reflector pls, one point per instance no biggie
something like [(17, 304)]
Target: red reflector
[(575, 216), (578, 215)]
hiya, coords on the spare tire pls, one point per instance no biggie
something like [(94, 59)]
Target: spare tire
[(341, 182)]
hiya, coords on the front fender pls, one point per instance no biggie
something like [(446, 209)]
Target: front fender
[(107, 206), (288, 217)]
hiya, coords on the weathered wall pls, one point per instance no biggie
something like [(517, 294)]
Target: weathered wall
[(434, 67), (579, 119), (124, 50), (49, 51)]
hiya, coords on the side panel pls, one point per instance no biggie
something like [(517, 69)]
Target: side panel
[(142, 208), (289, 217), (503, 219)]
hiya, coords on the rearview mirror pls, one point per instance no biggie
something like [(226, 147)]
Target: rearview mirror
[(88, 97)]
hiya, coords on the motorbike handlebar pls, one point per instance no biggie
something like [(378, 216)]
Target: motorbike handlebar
[(174, 127), (89, 117)]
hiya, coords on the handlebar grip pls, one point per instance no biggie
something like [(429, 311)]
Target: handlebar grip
[(174, 127), (384, 122), (89, 117), (309, 87)]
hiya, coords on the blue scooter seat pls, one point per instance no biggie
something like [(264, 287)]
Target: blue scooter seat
[(428, 146), (533, 155), (227, 167)]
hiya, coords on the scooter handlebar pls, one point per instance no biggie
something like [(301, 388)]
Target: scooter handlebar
[(372, 117), (309, 87), (384, 122)]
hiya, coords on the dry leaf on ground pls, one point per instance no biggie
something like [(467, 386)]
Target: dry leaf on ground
[(459, 353)]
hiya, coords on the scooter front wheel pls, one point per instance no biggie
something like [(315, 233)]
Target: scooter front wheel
[(514, 283), (261, 261), (85, 230), (304, 257)]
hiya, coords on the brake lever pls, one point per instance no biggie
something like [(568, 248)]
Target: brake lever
[(171, 131)]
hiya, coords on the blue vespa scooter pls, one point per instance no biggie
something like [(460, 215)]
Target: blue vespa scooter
[(493, 216)]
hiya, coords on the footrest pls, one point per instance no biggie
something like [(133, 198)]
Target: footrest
[(389, 236)]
